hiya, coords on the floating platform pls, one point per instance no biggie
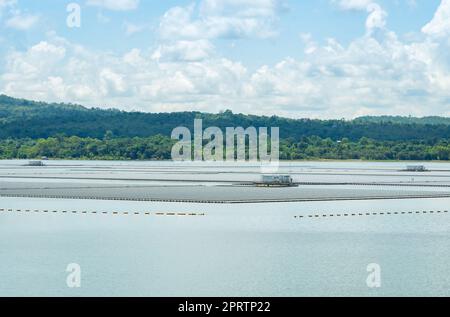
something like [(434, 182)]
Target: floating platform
[(211, 194), (261, 184)]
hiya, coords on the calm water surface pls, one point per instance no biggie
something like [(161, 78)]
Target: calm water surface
[(233, 250)]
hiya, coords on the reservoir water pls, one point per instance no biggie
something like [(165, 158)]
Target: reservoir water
[(151, 248)]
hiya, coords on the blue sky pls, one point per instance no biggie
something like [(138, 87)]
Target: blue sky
[(322, 58)]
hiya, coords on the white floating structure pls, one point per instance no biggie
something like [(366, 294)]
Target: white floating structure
[(35, 163), (276, 180), (416, 168)]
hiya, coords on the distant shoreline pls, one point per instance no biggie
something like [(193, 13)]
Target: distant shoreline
[(281, 161)]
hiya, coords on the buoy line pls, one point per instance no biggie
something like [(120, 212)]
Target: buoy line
[(115, 213), (252, 184), (368, 214), (234, 201)]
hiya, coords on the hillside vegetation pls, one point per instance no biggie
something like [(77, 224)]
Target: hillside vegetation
[(32, 129)]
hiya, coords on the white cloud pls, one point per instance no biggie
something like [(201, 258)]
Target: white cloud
[(221, 19), (241, 8), (111, 83), (381, 75), (115, 5), (7, 3), (187, 33), (45, 49), (101, 18), (377, 17), (378, 73), (368, 77), (184, 51), (131, 28), (61, 71), (353, 4), (310, 45), (440, 24), (21, 21), (15, 18), (40, 59)]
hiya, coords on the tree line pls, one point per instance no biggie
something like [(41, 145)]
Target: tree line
[(31, 129), (159, 148), (20, 118)]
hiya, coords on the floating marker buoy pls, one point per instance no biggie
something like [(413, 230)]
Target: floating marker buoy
[(106, 213), (371, 214)]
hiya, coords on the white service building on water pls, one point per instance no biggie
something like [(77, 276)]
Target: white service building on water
[(277, 180)]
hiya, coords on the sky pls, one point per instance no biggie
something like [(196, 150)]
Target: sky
[(293, 58)]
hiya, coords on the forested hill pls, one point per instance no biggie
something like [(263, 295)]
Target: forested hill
[(404, 120), (28, 119)]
